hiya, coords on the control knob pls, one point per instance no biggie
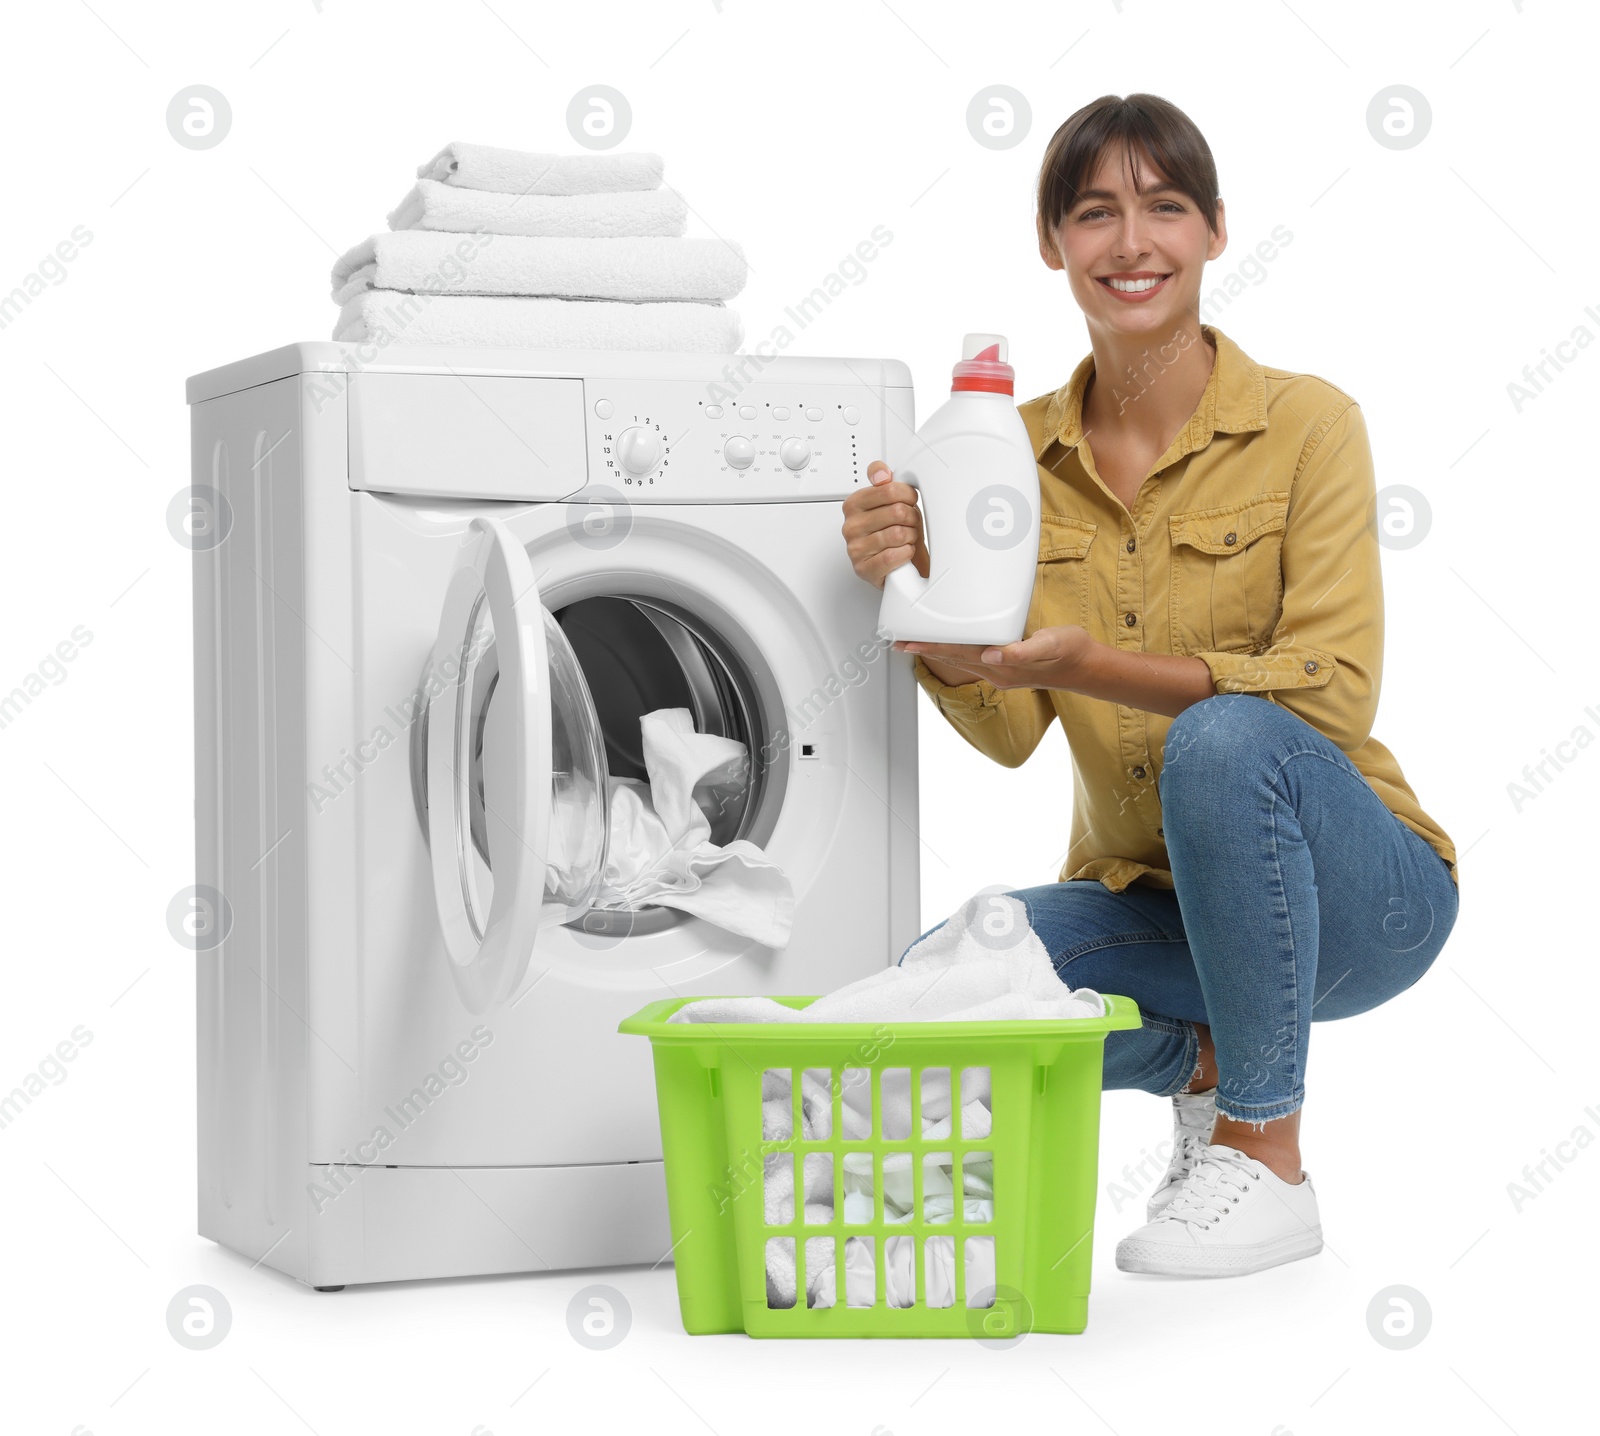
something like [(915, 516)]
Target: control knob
[(795, 453), (638, 450)]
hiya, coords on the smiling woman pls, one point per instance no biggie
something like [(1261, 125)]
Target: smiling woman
[(1207, 629)]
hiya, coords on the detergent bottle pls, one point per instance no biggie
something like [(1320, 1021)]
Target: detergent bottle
[(973, 467)]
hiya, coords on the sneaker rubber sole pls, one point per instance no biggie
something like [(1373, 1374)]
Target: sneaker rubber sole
[(1160, 1259)]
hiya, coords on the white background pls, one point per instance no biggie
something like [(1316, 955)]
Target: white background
[(1421, 281)]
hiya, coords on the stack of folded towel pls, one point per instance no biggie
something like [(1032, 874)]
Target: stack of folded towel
[(536, 251)]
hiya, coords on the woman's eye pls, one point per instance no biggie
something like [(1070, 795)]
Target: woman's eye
[(1092, 214)]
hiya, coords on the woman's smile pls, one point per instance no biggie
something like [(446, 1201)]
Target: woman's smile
[(1134, 286)]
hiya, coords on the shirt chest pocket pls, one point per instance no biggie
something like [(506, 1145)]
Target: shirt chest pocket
[(1227, 575), (1061, 588)]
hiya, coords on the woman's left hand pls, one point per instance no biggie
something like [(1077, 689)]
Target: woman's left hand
[(1046, 658)]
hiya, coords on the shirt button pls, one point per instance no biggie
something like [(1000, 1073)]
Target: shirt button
[(1138, 772), (1130, 545), (1230, 538), (1161, 832), (1311, 667), (1130, 619)]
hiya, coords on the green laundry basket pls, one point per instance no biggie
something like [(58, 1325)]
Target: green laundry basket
[(1038, 1162)]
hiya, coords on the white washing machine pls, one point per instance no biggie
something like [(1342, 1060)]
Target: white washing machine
[(434, 590)]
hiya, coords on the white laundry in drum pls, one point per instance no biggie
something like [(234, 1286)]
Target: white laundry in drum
[(660, 850)]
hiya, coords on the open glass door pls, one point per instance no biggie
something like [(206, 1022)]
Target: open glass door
[(517, 795)]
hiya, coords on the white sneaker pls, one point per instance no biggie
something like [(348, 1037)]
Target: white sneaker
[(1231, 1215), (1193, 1117)]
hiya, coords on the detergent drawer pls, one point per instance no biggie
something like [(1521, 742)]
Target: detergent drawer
[(467, 435)]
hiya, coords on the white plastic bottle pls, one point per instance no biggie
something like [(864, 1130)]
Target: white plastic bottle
[(973, 467)]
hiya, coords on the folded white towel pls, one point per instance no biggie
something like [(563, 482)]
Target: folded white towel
[(518, 172), (660, 850), (503, 322), (644, 270), (432, 205)]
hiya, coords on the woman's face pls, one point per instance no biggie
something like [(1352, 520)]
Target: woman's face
[(1133, 249)]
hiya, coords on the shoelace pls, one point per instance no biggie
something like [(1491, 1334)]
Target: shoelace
[(1183, 1159), (1194, 1132), (1211, 1190)]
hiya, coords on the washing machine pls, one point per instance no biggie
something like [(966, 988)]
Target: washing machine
[(434, 592)]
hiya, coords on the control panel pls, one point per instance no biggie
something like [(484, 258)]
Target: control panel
[(690, 442)]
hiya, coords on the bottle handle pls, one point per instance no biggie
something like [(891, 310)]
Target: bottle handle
[(903, 579)]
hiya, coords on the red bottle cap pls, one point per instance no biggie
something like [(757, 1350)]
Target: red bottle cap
[(983, 366)]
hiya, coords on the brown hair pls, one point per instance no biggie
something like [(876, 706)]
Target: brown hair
[(1167, 138)]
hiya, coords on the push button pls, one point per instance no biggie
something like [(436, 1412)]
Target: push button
[(813, 416), (747, 411), (852, 415), (603, 408), (780, 413), (713, 411)]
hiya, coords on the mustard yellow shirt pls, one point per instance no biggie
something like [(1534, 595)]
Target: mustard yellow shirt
[(1252, 545)]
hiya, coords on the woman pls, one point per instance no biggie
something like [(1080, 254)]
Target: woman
[(1207, 625)]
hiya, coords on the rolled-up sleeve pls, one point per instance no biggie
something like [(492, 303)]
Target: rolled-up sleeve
[(1326, 656), (1004, 724)]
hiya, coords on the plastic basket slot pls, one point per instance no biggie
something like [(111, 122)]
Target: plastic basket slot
[(940, 1203), (935, 1100), (976, 1276), (900, 1260), (818, 1188), (939, 1271), (975, 1182), (780, 1258), (972, 1085), (817, 1092), (860, 1254), (777, 1116), (892, 1119)]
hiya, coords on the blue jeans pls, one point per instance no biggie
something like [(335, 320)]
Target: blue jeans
[(1298, 896)]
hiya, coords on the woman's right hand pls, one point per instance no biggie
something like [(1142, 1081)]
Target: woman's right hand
[(883, 526)]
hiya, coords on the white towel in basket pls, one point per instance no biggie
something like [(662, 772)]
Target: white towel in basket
[(985, 963)]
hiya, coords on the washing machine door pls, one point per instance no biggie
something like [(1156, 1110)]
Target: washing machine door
[(513, 740)]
